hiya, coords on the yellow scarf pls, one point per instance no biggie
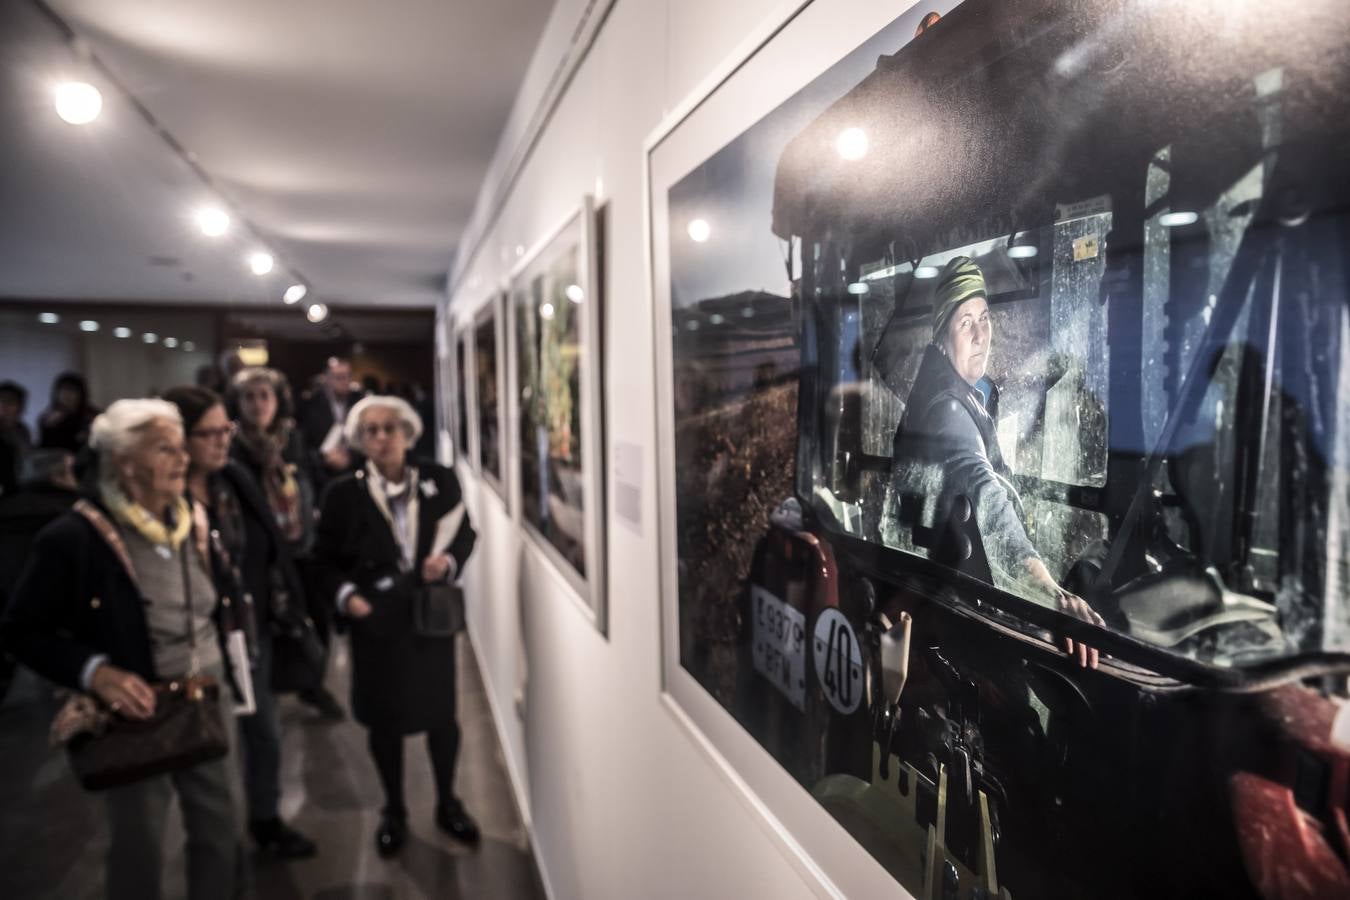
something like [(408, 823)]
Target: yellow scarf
[(147, 524)]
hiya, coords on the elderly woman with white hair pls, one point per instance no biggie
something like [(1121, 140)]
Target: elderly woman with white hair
[(384, 530), (117, 595)]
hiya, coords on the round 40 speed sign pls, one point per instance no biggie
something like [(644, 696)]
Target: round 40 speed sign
[(838, 661)]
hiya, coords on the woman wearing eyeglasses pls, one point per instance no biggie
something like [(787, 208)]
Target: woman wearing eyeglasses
[(257, 557), (383, 530)]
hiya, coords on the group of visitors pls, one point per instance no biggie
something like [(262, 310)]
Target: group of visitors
[(221, 536)]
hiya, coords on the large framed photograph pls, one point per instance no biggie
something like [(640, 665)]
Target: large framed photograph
[(555, 329), (489, 398), (1003, 540)]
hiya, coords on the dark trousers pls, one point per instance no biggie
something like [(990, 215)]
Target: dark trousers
[(386, 747), (261, 739)]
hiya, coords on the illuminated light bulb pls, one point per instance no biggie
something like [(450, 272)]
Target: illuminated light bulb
[(89, 325), (48, 318), (699, 231), (213, 221), (171, 342), (189, 346), (294, 294), (78, 103), (716, 319), (316, 313), (927, 272), (1178, 219), (1022, 251), (852, 144), (574, 293), (546, 311), (260, 263), (149, 337), (122, 331)]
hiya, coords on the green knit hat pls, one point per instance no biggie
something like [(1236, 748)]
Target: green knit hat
[(960, 280)]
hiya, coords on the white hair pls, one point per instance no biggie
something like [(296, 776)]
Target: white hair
[(118, 428), (412, 422)]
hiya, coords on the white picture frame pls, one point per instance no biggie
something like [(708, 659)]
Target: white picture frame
[(576, 234)]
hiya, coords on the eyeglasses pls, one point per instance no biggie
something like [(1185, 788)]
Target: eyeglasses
[(374, 428), (223, 433)]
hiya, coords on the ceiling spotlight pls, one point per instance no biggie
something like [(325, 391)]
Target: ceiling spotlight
[(546, 311), (189, 346), (294, 294), (1178, 219), (149, 337), (699, 230), (852, 144), (171, 342), (89, 325), (213, 221), (575, 293), (78, 103), (260, 263), (48, 318), (927, 272), (316, 313), (122, 331)]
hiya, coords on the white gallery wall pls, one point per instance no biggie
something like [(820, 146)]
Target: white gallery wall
[(622, 801)]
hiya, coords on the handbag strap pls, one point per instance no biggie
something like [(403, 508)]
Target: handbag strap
[(110, 535)]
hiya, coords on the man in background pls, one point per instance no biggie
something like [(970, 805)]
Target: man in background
[(321, 421), (48, 489), (15, 438)]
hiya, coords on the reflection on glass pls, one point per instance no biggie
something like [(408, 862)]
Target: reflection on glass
[(548, 335), (461, 395), (1025, 378)]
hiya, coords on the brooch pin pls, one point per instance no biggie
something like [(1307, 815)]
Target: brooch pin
[(428, 489)]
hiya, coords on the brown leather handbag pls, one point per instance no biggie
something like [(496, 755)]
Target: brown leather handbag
[(108, 750)]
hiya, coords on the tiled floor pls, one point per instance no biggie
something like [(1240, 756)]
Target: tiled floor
[(53, 838)]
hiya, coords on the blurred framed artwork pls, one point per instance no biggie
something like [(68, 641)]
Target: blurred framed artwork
[(489, 398), (557, 428)]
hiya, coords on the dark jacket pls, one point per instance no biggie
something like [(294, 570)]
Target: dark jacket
[(75, 599), (315, 419), (946, 446), (22, 515), (265, 562), (295, 453), (401, 681)]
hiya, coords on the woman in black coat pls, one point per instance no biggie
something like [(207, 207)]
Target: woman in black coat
[(384, 530)]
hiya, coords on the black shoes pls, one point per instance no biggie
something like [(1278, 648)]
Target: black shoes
[(455, 821), (280, 840), (324, 703), (391, 835)]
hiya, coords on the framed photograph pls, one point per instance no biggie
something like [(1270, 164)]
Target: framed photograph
[(989, 565), (555, 329), (489, 398), (445, 389), (461, 348)]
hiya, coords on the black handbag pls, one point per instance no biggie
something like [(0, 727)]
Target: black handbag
[(187, 729), (108, 750), (438, 610), (299, 655)]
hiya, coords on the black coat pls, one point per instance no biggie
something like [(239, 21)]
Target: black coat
[(400, 680), (75, 599), (315, 420)]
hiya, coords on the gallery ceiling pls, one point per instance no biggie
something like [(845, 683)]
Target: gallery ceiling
[(347, 139)]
